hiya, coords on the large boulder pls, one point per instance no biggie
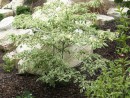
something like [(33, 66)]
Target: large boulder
[(6, 23), (5, 42), (4, 2), (69, 58), (102, 19)]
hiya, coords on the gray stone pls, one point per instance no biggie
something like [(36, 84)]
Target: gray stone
[(5, 42), (6, 23), (7, 12), (3, 2), (102, 19), (71, 57), (14, 4)]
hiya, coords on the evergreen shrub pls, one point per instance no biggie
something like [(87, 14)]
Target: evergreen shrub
[(23, 10), (1, 16)]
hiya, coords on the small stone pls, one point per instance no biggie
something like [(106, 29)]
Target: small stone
[(6, 23)]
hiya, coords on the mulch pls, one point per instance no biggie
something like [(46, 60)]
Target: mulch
[(12, 84)]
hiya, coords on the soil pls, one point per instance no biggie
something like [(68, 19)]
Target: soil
[(12, 84)]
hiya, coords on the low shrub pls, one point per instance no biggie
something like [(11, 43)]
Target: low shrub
[(1, 16), (8, 68), (23, 10)]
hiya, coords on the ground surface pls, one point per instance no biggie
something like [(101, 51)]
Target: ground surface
[(12, 85)]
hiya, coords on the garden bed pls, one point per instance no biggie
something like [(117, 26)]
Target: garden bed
[(12, 84), (39, 65)]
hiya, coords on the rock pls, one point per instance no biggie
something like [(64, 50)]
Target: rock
[(3, 2), (14, 4), (6, 43), (6, 12), (102, 19), (113, 12), (71, 57), (6, 23)]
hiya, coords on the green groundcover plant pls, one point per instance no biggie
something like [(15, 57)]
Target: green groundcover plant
[(23, 10), (26, 94), (1, 16)]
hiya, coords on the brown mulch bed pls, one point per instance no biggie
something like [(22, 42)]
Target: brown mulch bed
[(12, 84)]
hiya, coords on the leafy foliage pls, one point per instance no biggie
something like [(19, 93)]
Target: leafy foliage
[(54, 33), (1, 16), (109, 84), (26, 94), (123, 3), (118, 1), (23, 10), (9, 64), (114, 80), (93, 62)]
